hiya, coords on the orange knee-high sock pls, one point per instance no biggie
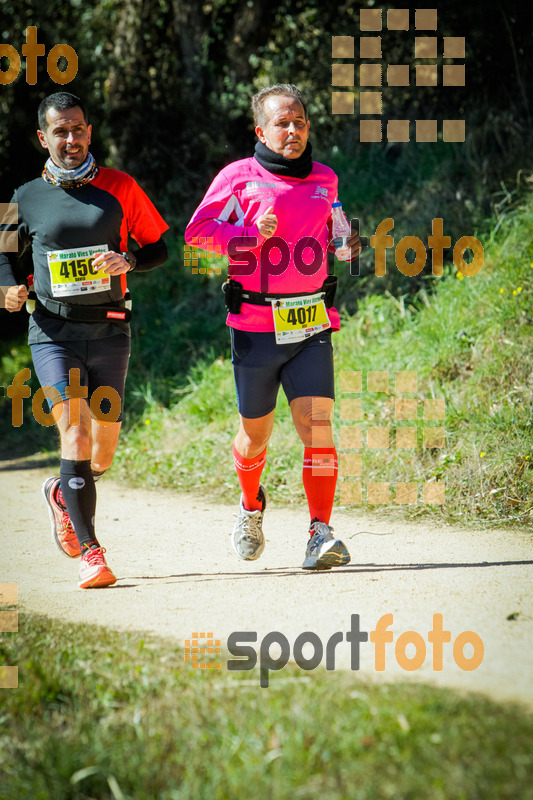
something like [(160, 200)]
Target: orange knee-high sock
[(249, 473), (320, 479)]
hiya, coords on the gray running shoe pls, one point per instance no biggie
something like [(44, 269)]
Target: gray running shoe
[(248, 540), (323, 550)]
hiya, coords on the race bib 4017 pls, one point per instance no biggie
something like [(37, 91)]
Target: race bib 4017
[(297, 318)]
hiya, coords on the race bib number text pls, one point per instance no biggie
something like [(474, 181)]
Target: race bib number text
[(297, 318), (73, 271)]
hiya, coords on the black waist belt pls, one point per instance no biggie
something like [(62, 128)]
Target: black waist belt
[(236, 295), (120, 311)]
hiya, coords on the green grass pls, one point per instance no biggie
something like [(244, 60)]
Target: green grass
[(469, 341), (100, 714)]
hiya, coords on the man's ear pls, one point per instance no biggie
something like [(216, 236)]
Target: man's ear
[(260, 135), (42, 139)]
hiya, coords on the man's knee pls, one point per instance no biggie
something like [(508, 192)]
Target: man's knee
[(252, 440), (76, 439), (253, 435), (309, 411), (75, 433), (312, 420), (100, 463), (104, 445)]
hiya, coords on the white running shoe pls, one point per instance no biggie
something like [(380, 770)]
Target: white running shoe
[(323, 549), (248, 540)]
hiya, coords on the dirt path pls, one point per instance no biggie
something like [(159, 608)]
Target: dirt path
[(178, 574)]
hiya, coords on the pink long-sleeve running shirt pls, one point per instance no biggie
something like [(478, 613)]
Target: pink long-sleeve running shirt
[(241, 193)]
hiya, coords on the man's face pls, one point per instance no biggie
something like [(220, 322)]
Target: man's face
[(67, 137), (286, 131)]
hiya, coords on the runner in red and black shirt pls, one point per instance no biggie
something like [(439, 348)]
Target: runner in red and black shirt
[(77, 218)]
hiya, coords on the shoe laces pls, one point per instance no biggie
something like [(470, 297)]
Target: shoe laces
[(321, 529), (251, 526), (94, 556)]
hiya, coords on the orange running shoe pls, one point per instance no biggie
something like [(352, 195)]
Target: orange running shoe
[(63, 532), (94, 572)]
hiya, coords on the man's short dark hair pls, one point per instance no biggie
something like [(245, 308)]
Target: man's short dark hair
[(61, 101), (283, 89)]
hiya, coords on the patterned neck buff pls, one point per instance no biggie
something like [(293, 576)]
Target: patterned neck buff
[(70, 178)]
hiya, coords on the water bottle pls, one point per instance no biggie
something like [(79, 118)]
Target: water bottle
[(341, 232), (30, 302)]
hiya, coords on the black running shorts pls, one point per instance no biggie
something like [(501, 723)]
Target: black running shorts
[(102, 363), (304, 369)]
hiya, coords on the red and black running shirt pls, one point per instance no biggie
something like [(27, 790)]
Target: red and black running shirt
[(105, 211)]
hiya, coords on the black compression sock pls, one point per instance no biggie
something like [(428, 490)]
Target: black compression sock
[(79, 494), (97, 474), (94, 545)]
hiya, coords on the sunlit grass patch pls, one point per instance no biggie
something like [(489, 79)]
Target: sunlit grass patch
[(113, 715)]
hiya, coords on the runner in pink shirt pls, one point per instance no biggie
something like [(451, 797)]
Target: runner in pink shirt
[(271, 214)]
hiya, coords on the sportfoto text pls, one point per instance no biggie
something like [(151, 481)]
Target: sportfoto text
[(308, 255), (379, 637)]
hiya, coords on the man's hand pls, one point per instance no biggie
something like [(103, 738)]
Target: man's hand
[(16, 296), (354, 243), (267, 223), (112, 263)]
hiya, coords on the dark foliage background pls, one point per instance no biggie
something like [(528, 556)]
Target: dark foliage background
[(168, 83)]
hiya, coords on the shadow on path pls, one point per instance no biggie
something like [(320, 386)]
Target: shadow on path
[(289, 572)]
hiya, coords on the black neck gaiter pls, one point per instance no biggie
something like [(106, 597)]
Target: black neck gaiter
[(299, 167)]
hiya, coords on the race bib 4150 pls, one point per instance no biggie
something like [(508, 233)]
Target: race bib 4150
[(72, 271)]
